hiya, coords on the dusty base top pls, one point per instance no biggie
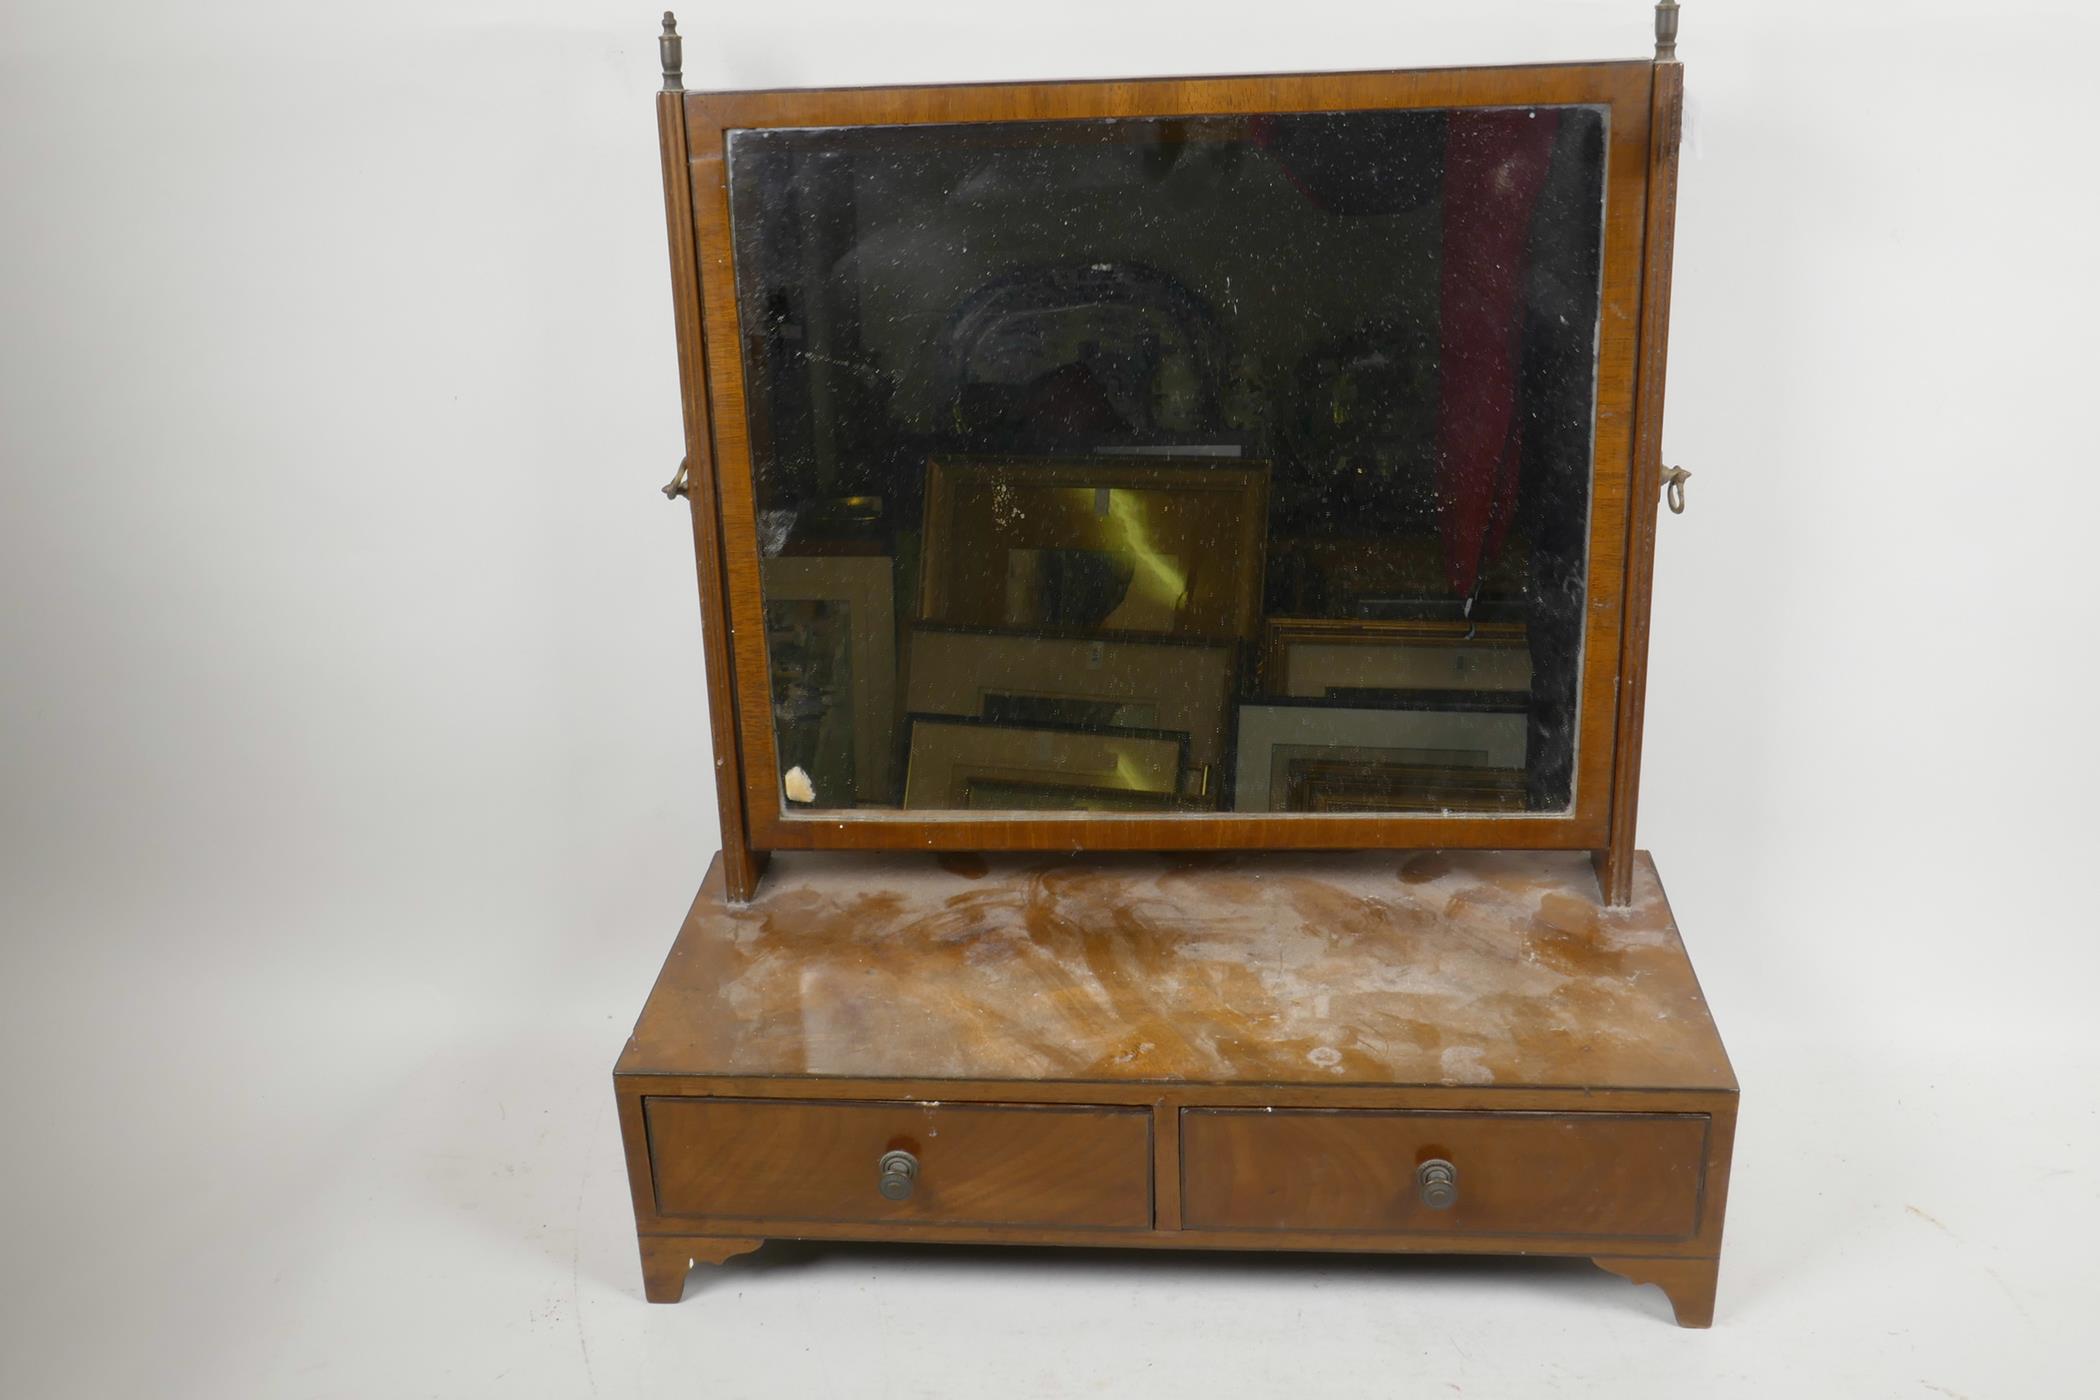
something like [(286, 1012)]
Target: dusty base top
[(1458, 968)]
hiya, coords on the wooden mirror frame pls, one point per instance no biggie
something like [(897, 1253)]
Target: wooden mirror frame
[(1645, 103)]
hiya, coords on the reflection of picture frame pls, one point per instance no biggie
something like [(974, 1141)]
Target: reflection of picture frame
[(1273, 737), (1329, 784), (1125, 683), (954, 761), (1008, 795), (1095, 544), (1321, 658), (831, 642)]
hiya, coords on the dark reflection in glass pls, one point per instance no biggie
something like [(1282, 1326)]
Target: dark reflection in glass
[(1171, 465)]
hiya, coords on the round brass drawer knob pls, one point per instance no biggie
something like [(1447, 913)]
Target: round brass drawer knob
[(1436, 1183), (899, 1173)]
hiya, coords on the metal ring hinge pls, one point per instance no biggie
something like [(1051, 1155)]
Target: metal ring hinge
[(1674, 479), (675, 488)]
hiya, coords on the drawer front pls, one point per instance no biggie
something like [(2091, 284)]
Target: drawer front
[(1515, 1173), (976, 1164)]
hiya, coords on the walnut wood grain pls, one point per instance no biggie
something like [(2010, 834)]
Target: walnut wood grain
[(1167, 1104), (1665, 125), (667, 1259), (730, 1159), (1458, 969), (1624, 87), (740, 865), (1333, 1241), (1174, 985), (1689, 1283), (1569, 1174)]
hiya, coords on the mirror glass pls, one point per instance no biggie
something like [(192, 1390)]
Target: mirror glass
[(1174, 465)]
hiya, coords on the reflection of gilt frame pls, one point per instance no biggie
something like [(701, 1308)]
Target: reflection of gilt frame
[(1134, 683), (1315, 658), (861, 584), (1274, 737), (1091, 770), (1178, 545), (1339, 785)]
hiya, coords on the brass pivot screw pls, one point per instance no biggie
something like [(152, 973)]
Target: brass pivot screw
[(1436, 1184), (675, 487), (899, 1173)]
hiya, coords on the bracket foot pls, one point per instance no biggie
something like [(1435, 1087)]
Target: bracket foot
[(1689, 1283), (667, 1259)]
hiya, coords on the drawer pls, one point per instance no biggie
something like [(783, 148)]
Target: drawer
[(1605, 1174), (971, 1164)]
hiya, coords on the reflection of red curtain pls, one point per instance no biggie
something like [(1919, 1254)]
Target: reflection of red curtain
[(1494, 164)]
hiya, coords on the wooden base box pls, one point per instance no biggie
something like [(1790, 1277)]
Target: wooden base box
[(1439, 1053)]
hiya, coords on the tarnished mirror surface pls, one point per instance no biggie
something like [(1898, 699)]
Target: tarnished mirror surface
[(1174, 465)]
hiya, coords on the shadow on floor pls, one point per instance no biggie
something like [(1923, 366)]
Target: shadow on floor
[(1281, 1269)]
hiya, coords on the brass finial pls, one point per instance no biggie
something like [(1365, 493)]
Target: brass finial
[(1665, 31), (673, 49)]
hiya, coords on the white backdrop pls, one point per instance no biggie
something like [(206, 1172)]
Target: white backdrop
[(354, 774)]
